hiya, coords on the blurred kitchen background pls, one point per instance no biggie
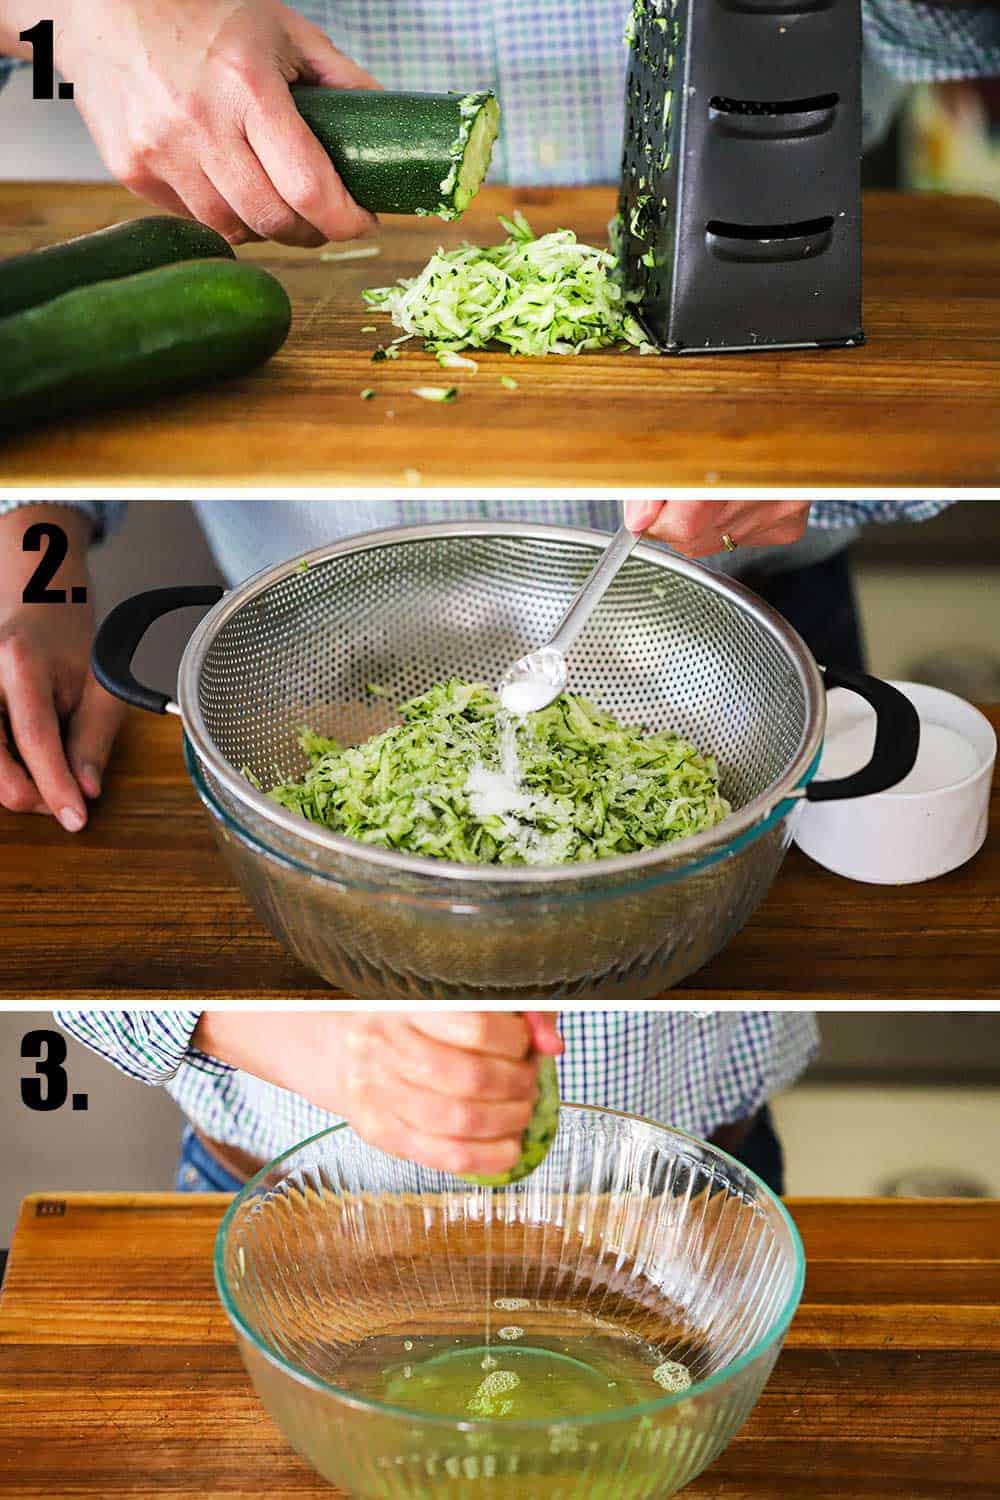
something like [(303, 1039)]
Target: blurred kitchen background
[(946, 138), (898, 1103)]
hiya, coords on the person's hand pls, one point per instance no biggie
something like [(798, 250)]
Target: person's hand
[(452, 1091), (696, 527), (57, 725), (188, 103)]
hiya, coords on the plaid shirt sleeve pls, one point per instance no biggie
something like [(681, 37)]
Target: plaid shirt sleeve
[(150, 1045), (828, 515), (923, 41)]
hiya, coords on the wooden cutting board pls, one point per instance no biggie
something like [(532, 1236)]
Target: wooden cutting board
[(917, 406), (141, 905), (119, 1375)]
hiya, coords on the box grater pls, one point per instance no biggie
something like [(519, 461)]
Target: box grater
[(740, 210)]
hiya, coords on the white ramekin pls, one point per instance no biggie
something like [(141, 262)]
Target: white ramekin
[(897, 838)]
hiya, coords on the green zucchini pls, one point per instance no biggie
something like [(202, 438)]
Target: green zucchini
[(122, 250), (536, 1142), (140, 337), (405, 153)]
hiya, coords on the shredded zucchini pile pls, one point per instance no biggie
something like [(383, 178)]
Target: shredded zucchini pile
[(586, 788), (535, 295)]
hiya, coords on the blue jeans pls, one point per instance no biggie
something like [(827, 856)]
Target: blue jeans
[(198, 1172)]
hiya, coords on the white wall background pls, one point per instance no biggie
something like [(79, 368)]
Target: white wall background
[(43, 138), (127, 1140)]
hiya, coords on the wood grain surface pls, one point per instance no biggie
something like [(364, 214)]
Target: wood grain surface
[(119, 1375), (140, 905), (917, 406)]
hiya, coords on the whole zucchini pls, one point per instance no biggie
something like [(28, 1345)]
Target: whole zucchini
[(122, 250), (139, 337), (404, 153)]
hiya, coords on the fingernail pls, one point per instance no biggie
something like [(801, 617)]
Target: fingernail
[(71, 819), (640, 514), (90, 780)]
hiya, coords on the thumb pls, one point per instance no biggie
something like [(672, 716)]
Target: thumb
[(640, 514), (322, 63), (544, 1029), (92, 734)]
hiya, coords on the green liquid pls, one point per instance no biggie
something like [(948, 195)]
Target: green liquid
[(514, 1384), (523, 1375)]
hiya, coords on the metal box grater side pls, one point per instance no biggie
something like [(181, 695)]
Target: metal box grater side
[(740, 209)]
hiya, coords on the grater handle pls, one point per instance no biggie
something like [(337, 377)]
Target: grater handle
[(616, 554)]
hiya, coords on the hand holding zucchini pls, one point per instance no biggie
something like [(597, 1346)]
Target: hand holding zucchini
[(402, 153), (141, 336)]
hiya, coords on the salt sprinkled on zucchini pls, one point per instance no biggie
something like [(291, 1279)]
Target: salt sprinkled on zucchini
[(535, 295), (457, 779)]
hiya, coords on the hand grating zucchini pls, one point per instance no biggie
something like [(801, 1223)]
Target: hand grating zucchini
[(405, 153), (460, 780)]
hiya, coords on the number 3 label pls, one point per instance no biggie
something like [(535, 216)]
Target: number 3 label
[(48, 1088)]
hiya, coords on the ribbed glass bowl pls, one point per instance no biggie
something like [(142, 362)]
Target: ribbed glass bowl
[(654, 1238)]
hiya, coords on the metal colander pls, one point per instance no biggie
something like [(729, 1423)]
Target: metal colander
[(672, 646)]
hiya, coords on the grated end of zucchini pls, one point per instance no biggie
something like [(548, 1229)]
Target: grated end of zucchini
[(478, 155)]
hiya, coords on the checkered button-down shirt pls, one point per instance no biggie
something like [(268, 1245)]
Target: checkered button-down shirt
[(692, 1071), (558, 66)]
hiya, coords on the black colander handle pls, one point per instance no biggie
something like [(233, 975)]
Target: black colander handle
[(897, 739), (119, 635)]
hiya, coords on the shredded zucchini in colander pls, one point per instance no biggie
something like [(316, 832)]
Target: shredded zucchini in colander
[(536, 295), (588, 787)]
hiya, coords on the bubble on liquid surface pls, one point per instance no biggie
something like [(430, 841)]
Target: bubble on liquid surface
[(672, 1375), (512, 1304), (510, 1333)]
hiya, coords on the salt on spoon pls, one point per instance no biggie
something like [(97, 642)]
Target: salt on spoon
[(538, 678)]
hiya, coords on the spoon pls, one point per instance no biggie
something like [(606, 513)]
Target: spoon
[(538, 678)]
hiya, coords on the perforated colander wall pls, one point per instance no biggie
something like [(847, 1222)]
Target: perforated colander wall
[(665, 650)]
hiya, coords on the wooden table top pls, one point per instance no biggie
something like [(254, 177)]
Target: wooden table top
[(926, 385), (141, 905), (119, 1374)]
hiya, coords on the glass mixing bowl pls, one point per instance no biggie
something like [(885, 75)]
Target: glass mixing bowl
[(631, 1237)]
